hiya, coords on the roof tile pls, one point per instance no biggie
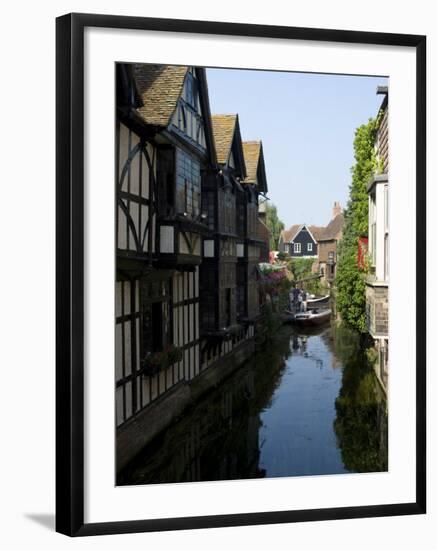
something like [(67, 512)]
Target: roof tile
[(333, 229), (251, 150), (159, 87), (223, 128)]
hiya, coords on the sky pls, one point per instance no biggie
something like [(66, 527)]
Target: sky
[(306, 123)]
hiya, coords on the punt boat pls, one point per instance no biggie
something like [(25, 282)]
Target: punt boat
[(313, 317), (317, 302)]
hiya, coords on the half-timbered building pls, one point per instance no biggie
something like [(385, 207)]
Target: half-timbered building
[(180, 179), (219, 195), (164, 144), (252, 246)]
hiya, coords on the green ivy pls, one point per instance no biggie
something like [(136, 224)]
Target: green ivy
[(350, 281)]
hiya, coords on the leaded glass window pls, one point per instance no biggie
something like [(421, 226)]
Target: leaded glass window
[(187, 184)]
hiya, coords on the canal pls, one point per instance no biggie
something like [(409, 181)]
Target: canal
[(306, 404)]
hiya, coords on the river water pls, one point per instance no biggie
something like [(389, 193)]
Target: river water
[(306, 404)]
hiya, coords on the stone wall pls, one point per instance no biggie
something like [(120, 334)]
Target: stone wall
[(377, 309)]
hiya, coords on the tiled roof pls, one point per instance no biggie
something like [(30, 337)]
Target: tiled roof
[(159, 87), (333, 229), (251, 150), (316, 231), (223, 127), (288, 234)]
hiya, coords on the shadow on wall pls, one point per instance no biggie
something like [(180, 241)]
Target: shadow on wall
[(46, 520)]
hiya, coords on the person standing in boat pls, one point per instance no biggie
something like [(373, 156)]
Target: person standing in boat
[(304, 300), (299, 301)]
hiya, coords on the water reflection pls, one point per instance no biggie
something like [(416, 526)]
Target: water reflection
[(307, 405)]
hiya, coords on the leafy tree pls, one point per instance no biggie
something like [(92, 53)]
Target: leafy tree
[(301, 267), (274, 224), (350, 280)]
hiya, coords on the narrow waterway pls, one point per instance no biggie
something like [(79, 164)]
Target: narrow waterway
[(306, 404)]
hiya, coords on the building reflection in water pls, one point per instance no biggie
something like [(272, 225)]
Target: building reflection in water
[(232, 433)]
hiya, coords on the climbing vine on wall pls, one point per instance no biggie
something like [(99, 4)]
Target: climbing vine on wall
[(350, 280)]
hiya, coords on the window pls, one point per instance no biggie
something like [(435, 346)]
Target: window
[(241, 214), (165, 178), (386, 208), (191, 89), (296, 248), (187, 184), (208, 302), (228, 211), (156, 318), (310, 247), (372, 228), (241, 290), (228, 307)]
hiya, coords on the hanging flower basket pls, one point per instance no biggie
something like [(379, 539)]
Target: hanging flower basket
[(160, 360)]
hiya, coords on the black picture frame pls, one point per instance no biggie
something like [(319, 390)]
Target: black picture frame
[(70, 273)]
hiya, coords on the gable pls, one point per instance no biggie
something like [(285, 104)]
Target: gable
[(313, 231), (188, 117), (176, 98), (254, 162), (159, 88), (304, 236), (228, 145)]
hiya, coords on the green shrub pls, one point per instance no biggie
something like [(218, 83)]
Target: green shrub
[(350, 280)]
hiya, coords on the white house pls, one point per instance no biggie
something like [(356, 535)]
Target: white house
[(377, 282)]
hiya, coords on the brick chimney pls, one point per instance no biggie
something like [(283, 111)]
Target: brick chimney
[(336, 210)]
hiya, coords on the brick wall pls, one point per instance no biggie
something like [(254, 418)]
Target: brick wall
[(324, 248)]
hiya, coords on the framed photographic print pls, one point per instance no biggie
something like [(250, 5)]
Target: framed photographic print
[(240, 274)]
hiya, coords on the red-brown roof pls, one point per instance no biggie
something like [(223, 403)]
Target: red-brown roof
[(334, 229)]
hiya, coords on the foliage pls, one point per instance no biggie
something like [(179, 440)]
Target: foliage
[(372, 356), (276, 283), (361, 422), (275, 279), (301, 267), (269, 325), (350, 280), (154, 362), (274, 224)]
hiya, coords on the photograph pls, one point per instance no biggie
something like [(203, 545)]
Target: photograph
[(252, 274)]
